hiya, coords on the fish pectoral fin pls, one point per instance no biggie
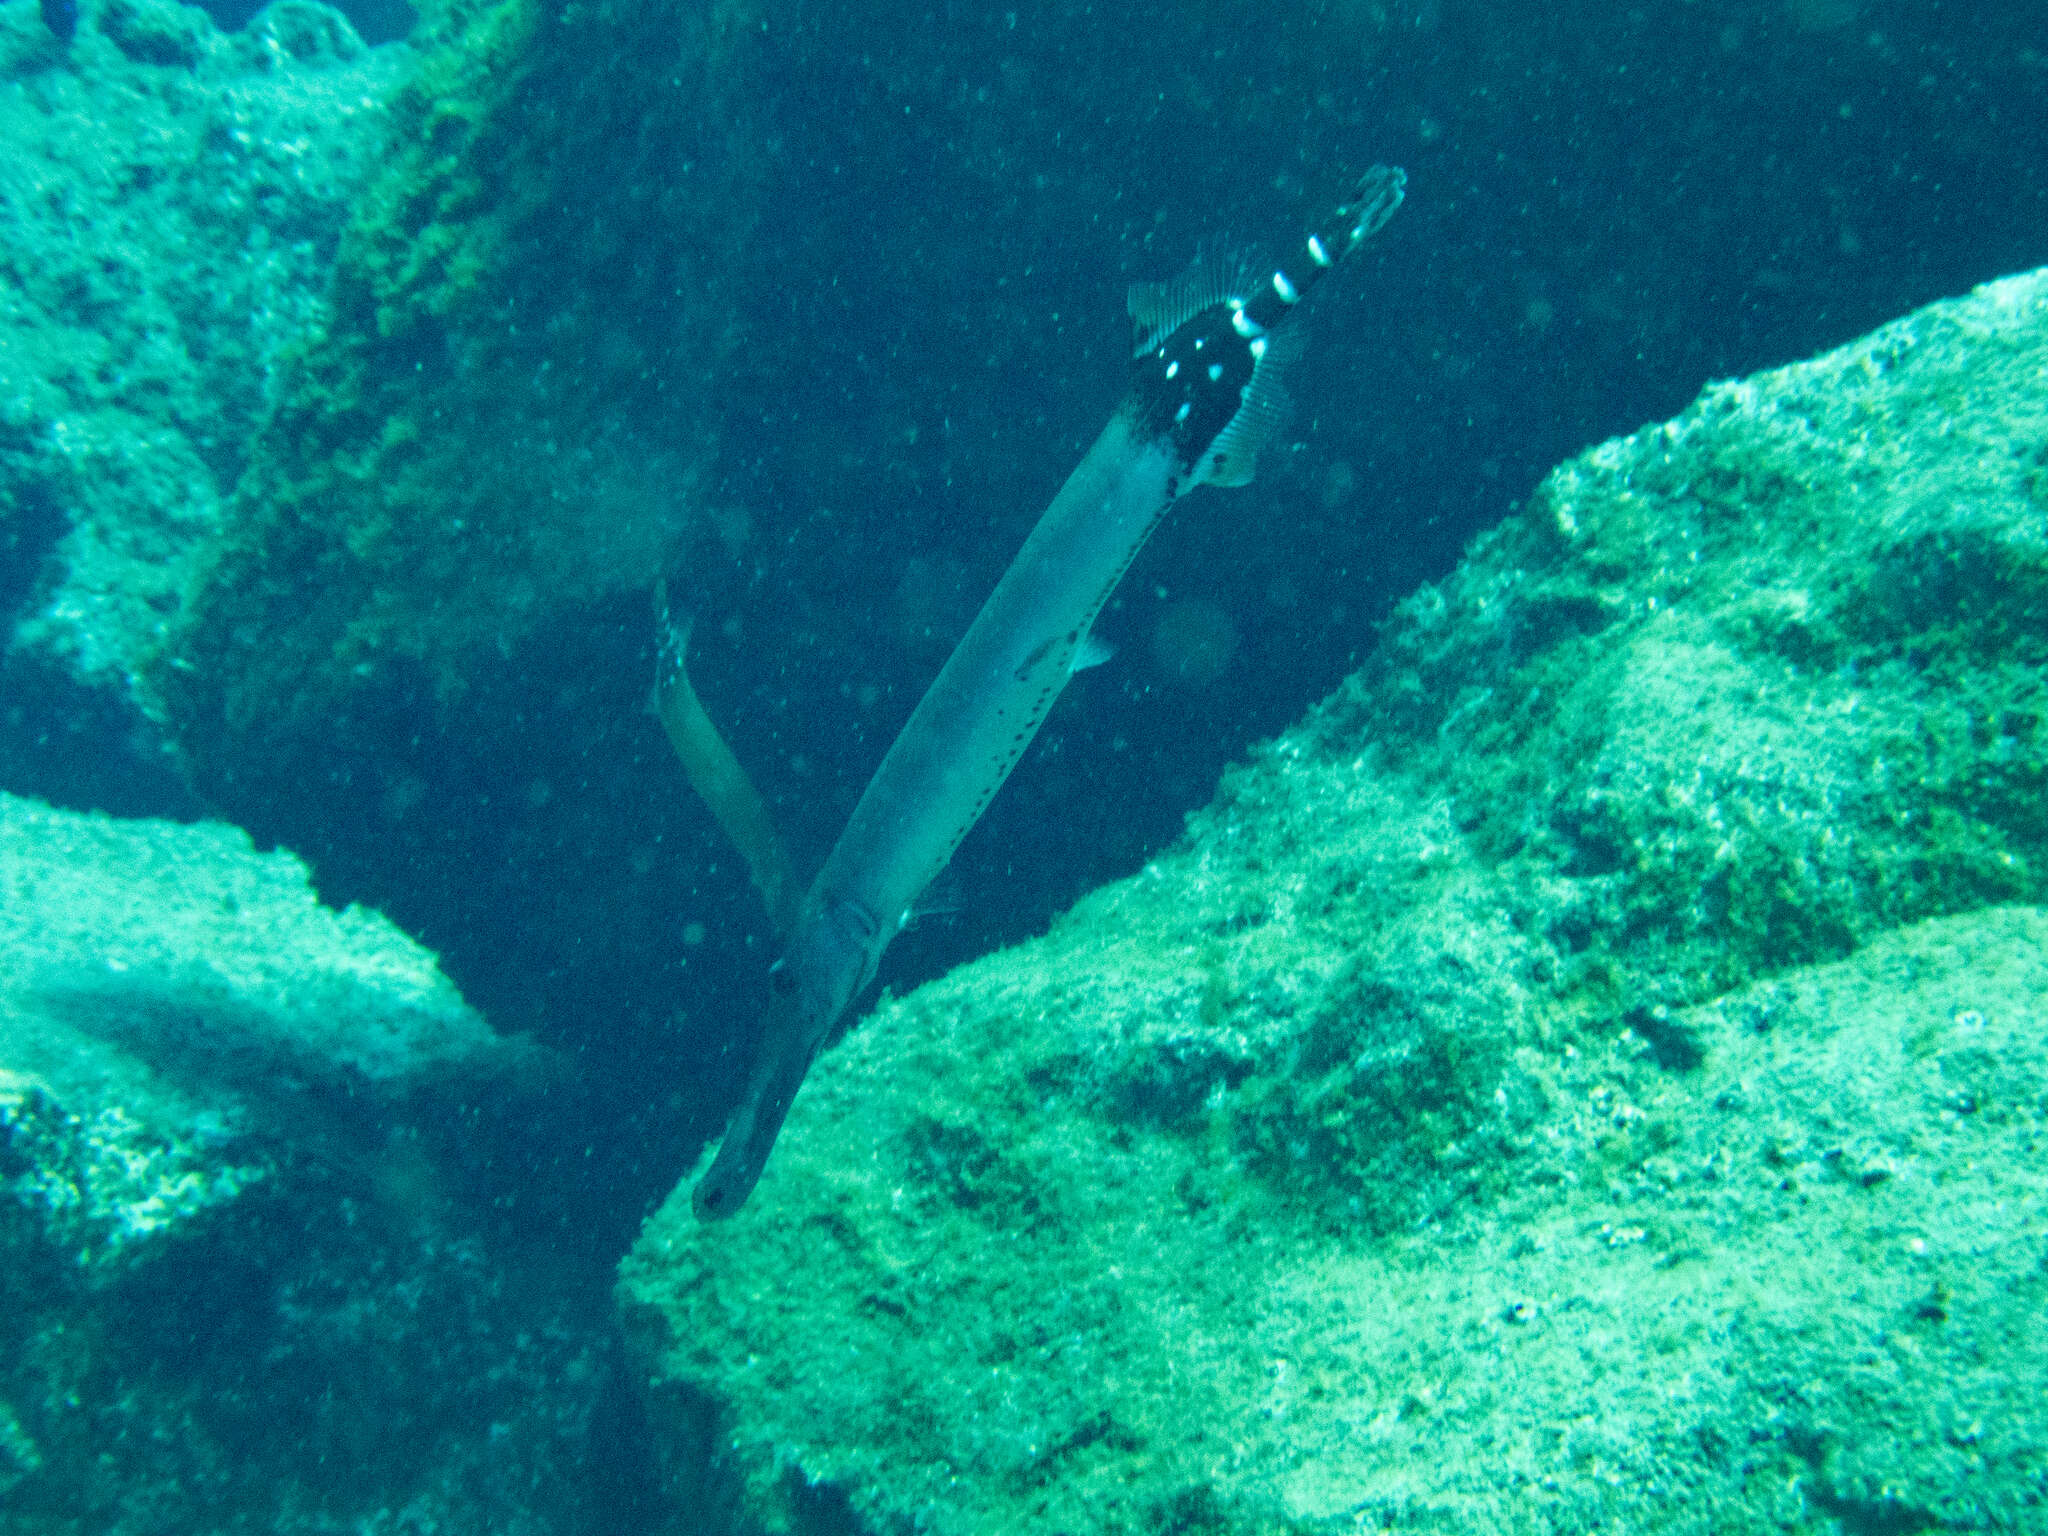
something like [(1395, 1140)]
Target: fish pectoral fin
[(1093, 651), (1233, 459)]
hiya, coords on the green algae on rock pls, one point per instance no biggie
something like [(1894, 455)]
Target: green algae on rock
[(494, 422), (1589, 1073), (167, 993)]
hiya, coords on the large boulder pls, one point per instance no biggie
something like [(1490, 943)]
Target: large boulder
[(1589, 1074), (238, 1286), (502, 414), (172, 198)]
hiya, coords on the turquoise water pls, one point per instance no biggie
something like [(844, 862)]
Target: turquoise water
[(354, 397)]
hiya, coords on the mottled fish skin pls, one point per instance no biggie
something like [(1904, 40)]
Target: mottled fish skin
[(61, 17), (1204, 395)]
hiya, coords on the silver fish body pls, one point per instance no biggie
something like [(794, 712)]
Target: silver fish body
[(946, 765), (1203, 397)]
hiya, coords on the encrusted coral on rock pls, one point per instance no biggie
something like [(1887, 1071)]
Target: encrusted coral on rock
[(1590, 1073)]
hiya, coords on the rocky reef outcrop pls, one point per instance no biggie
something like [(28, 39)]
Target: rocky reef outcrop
[(238, 1133), (172, 198), (1589, 1073)]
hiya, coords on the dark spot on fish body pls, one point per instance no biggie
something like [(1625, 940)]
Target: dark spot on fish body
[(61, 17), (1030, 663)]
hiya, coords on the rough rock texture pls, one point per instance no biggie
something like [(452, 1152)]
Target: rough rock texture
[(170, 200), (494, 423), (1588, 1075), (237, 1291), (103, 918), (418, 651)]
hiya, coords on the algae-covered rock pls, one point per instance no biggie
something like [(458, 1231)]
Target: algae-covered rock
[(182, 1022), (501, 416), (157, 31), (170, 201), (413, 651), (1589, 1075), (182, 942), (235, 1290), (167, 236)]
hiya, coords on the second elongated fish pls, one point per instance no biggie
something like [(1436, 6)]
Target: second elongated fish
[(1204, 395)]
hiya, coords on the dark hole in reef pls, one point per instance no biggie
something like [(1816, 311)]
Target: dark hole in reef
[(1671, 1045), (26, 539)]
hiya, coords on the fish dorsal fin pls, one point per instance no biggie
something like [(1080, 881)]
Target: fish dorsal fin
[(1159, 309), (1212, 343), (1234, 455)]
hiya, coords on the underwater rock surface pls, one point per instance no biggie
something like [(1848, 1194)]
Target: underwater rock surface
[(1592, 1072), (419, 649), (235, 1289), (184, 940), (493, 423), (170, 202)]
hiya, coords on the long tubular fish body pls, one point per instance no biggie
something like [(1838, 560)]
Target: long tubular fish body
[(946, 765), (1202, 399), (995, 690)]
